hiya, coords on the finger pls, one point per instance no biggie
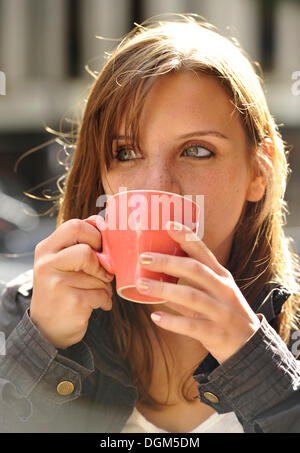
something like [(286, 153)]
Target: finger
[(195, 248), (198, 274), (74, 231), (96, 221), (95, 298), (180, 309), (182, 325), (195, 300), (81, 257), (81, 280)]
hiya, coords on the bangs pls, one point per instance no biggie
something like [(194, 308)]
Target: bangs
[(127, 112)]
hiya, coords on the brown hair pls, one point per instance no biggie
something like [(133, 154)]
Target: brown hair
[(261, 254)]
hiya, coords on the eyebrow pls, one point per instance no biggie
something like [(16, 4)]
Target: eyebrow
[(208, 132), (213, 133)]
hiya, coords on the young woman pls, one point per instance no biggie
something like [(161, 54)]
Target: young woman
[(179, 108)]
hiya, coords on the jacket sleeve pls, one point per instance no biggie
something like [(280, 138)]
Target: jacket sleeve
[(260, 383), (31, 368)]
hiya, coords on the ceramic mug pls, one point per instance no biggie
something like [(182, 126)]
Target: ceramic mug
[(136, 222)]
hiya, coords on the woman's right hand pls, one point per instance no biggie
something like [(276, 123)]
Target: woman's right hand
[(68, 283)]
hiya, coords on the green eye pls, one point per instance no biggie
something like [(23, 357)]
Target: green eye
[(198, 151), (123, 154)]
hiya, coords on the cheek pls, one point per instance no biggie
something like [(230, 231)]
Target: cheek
[(225, 195), (113, 180)]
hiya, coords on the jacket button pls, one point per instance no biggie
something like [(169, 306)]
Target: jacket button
[(211, 397), (65, 388)]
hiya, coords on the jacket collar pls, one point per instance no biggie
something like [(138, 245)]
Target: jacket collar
[(272, 304)]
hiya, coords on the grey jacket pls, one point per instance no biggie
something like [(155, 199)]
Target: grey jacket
[(260, 382)]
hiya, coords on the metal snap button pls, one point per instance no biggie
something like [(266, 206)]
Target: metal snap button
[(65, 388), (211, 397)]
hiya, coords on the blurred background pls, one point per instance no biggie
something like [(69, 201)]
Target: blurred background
[(45, 47)]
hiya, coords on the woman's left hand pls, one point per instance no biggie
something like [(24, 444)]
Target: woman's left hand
[(213, 309)]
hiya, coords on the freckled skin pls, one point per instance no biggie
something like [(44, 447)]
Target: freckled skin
[(176, 105)]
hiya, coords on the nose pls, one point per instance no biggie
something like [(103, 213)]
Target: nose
[(160, 176)]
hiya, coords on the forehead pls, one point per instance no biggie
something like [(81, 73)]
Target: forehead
[(183, 100)]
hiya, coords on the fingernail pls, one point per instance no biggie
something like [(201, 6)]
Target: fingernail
[(155, 317), (174, 226), (143, 284), (146, 258)]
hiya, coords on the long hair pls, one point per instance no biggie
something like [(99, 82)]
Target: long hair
[(260, 254)]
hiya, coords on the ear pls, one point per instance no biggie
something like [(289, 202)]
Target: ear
[(261, 169)]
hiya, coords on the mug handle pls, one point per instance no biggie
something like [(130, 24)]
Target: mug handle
[(98, 222)]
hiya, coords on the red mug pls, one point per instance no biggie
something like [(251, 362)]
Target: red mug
[(136, 222)]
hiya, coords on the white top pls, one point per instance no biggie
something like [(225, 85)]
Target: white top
[(216, 423)]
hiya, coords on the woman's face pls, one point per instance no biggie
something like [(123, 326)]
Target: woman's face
[(192, 142)]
